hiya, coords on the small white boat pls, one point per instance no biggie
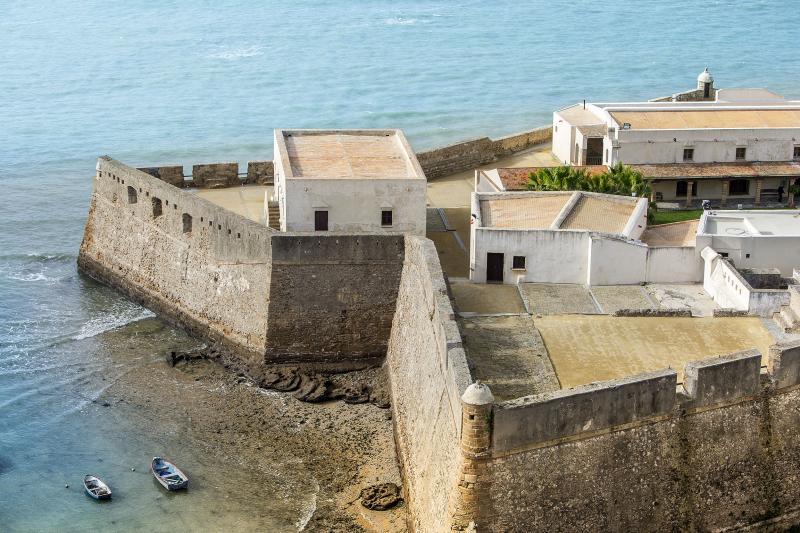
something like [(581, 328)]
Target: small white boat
[(96, 488), (169, 475)]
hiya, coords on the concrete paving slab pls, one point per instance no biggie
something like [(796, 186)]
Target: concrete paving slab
[(682, 296), (612, 298), (508, 354), (559, 299), (486, 299), (584, 349)]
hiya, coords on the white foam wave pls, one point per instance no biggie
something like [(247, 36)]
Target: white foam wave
[(107, 322), (400, 21), (238, 53), (308, 510)]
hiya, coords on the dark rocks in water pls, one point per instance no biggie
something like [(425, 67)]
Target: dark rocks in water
[(381, 497), (173, 357), (283, 380)]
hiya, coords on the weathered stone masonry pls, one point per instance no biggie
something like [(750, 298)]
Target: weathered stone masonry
[(230, 280), (722, 450)]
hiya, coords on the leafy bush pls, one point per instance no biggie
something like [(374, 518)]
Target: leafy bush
[(619, 179)]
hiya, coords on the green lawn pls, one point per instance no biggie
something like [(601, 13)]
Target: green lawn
[(665, 217)]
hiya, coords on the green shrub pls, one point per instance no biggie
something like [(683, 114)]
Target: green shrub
[(619, 179)]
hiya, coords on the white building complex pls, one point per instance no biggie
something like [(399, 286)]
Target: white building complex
[(747, 260), (348, 180), (723, 145)]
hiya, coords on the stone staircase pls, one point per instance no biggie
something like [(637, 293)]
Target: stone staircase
[(274, 215), (788, 318)]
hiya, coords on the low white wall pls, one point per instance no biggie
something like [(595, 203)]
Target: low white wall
[(728, 289), (763, 251), (488, 181), (614, 261), (551, 256), (673, 264)]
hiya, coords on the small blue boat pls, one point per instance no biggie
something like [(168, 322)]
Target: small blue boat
[(169, 475)]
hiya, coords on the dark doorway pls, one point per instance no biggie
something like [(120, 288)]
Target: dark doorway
[(494, 268), (320, 221), (594, 151)]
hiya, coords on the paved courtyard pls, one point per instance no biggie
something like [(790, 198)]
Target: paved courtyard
[(595, 348), (479, 298), (508, 354)]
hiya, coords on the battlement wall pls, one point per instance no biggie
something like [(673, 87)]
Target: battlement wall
[(214, 175), (428, 373), (230, 280), (468, 155), (721, 451)]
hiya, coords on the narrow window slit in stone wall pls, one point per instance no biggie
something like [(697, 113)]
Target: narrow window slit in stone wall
[(156, 207)]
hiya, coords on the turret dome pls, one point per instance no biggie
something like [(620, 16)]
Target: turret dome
[(705, 77)]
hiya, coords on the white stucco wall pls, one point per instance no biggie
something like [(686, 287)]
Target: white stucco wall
[(564, 256), (723, 283), (551, 256), (488, 181), (355, 204), (730, 290), (765, 251), (563, 139), (673, 264), (710, 145), (615, 261)]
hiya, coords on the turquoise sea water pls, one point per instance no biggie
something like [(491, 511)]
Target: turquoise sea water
[(201, 81)]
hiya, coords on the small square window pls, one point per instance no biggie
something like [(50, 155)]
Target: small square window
[(518, 263), (741, 154), (688, 154), (386, 217), (796, 152)]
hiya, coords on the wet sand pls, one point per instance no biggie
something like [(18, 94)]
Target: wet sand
[(302, 465)]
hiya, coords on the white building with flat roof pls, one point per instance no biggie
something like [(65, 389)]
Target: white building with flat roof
[(570, 237), (348, 181), (753, 238), (719, 145)]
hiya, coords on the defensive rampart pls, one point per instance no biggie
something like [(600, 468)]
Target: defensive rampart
[(214, 175), (634, 455), (468, 155), (428, 373), (230, 280)]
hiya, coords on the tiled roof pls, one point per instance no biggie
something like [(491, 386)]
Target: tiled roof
[(514, 179), (719, 170)]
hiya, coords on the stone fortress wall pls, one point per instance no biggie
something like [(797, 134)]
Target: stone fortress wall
[(438, 162), (428, 373), (227, 279), (721, 450)]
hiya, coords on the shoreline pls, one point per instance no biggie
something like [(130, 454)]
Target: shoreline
[(212, 415)]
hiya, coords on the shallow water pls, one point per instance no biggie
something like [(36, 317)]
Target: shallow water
[(184, 82)]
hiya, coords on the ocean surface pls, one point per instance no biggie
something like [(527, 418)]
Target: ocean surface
[(203, 81)]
